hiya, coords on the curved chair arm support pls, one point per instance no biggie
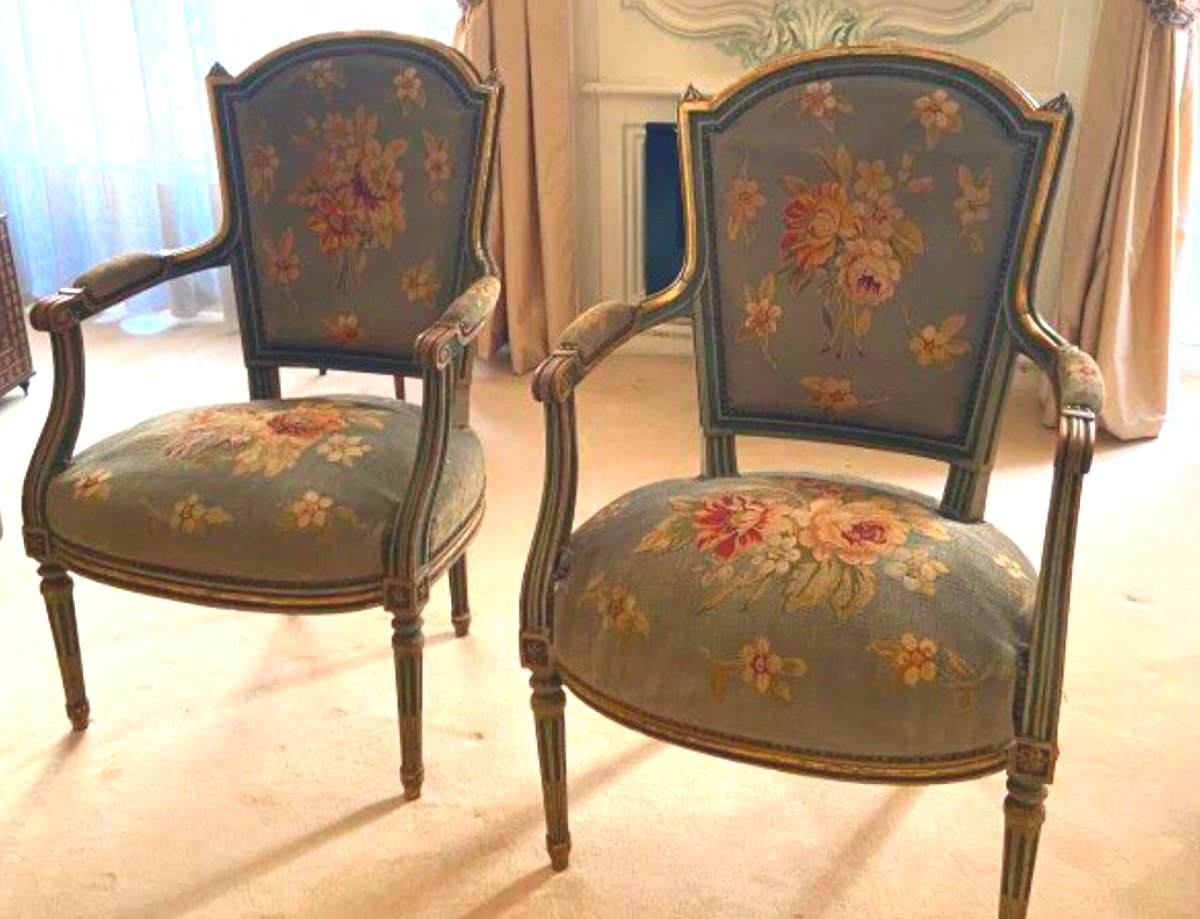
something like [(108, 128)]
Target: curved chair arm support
[(60, 314), (441, 350), (594, 335), (1036, 749)]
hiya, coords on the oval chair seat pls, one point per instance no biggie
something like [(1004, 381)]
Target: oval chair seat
[(294, 496), (820, 624)]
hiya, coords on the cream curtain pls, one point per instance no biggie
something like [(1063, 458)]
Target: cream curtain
[(1125, 217), (532, 234)]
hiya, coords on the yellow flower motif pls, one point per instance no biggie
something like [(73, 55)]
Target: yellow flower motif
[(916, 660), (94, 485), (743, 201), (260, 171), (915, 569), (1011, 567), (937, 344), (420, 283), (821, 102), (190, 515), (762, 669), (882, 217), (311, 510), (344, 450), (409, 88), (855, 532), (617, 606), (873, 179), (437, 157), (817, 219), (869, 272), (324, 77), (974, 206), (762, 314), (283, 265), (344, 329), (832, 394), (938, 114)]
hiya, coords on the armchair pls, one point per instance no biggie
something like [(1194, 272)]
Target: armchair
[(355, 175), (864, 227)]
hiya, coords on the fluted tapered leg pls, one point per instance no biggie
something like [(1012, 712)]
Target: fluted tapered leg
[(460, 608), (1024, 813), (549, 703), (60, 607), (408, 643)]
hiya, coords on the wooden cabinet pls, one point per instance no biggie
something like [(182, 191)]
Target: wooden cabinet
[(16, 366)]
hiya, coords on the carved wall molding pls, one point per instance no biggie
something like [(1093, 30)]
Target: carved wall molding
[(757, 30)]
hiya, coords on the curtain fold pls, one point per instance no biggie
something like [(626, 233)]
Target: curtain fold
[(532, 228), (1121, 262), (105, 137)]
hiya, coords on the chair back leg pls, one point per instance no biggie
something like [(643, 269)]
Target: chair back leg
[(549, 704), (58, 590), (460, 608)]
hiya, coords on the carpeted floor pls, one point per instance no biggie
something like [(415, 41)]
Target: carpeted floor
[(246, 765)]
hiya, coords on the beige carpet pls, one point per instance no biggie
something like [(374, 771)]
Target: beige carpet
[(246, 765)]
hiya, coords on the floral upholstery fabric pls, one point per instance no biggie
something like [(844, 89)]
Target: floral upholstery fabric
[(290, 491), (822, 615), (862, 236), (356, 172)]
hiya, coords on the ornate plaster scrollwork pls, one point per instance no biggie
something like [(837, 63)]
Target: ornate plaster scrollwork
[(757, 30)]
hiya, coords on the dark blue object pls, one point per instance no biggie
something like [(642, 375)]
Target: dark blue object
[(664, 207)]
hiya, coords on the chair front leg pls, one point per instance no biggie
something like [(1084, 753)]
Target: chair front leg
[(1024, 814), (408, 643), (549, 704), (57, 590)]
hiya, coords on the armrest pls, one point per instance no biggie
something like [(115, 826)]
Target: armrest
[(457, 327), (116, 280), (1078, 381), (587, 341)]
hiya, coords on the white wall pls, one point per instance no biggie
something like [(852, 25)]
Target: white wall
[(630, 70)]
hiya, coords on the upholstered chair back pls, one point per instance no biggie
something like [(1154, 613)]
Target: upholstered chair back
[(355, 172), (865, 228)]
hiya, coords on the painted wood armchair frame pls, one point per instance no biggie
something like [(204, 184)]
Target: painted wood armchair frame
[(442, 358), (1077, 384)]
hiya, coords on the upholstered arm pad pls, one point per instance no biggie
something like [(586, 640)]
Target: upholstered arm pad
[(118, 279), (443, 341), (1080, 384), (588, 340), (106, 282), (598, 330)]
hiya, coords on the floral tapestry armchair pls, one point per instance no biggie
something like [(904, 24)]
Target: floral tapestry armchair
[(863, 228), (355, 173)]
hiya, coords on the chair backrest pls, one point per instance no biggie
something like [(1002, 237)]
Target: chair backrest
[(864, 225), (355, 172)]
